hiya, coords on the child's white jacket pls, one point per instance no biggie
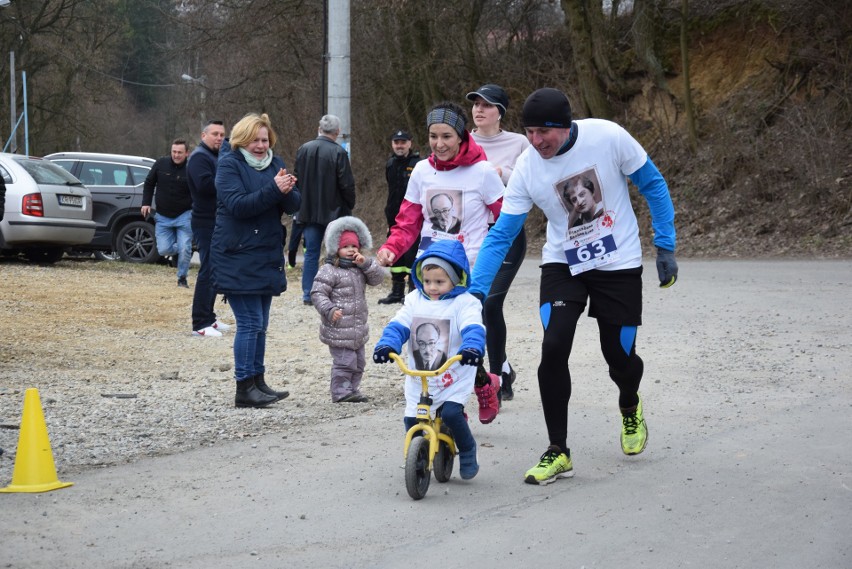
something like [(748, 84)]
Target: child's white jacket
[(450, 324), (453, 315)]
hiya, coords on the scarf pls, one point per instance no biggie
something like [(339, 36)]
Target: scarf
[(469, 153), (254, 162)]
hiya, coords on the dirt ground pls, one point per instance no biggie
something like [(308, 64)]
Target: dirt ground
[(84, 331)]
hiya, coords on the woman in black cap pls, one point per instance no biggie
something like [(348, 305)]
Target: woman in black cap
[(502, 149)]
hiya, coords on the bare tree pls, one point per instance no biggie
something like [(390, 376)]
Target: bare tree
[(646, 15), (61, 45), (687, 87), (582, 18)]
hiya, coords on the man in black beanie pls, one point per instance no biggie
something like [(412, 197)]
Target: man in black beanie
[(598, 260)]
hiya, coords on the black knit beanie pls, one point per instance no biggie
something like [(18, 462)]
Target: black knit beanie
[(547, 108)]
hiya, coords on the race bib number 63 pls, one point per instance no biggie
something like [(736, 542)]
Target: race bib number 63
[(592, 254)]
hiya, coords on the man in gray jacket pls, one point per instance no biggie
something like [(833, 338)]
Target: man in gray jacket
[(328, 192)]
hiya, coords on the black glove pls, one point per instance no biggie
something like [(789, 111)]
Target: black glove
[(470, 357), (666, 267), (479, 296), (381, 355)]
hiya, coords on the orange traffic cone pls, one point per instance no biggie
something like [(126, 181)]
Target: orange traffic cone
[(34, 467)]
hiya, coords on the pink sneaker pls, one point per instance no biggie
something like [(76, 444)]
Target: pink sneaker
[(489, 406)]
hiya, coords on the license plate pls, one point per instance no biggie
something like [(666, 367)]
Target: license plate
[(65, 199)]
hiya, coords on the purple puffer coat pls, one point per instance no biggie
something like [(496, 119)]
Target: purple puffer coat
[(344, 287)]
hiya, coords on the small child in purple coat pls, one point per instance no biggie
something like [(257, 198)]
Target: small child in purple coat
[(339, 295)]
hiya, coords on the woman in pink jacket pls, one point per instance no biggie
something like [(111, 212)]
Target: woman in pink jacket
[(450, 196)]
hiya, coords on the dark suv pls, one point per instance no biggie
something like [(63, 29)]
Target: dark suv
[(116, 183)]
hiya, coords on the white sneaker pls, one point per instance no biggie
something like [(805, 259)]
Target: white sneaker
[(221, 326), (209, 332)]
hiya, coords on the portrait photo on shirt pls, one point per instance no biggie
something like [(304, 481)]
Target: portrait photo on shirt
[(429, 342), (581, 197), (446, 210)]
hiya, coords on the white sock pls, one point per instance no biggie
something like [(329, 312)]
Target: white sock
[(507, 369)]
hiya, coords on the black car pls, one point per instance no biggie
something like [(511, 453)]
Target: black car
[(116, 182)]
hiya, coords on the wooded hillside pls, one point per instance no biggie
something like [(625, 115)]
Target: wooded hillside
[(765, 169)]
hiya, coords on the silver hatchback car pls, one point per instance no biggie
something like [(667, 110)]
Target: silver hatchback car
[(47, 210)]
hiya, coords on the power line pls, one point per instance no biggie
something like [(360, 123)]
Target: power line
[(107, 75)]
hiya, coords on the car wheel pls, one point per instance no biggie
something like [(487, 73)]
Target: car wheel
[(136, 243), (44, 255)]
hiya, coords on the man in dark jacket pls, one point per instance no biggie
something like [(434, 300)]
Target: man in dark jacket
[(328, 192), (397, 172), (201, 175), (173, 217)]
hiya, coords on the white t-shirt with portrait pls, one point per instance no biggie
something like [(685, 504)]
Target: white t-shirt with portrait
[(450, 316), (604, 154), (470, 188)]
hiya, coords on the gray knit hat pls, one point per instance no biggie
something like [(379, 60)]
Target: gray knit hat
[(451, 271)]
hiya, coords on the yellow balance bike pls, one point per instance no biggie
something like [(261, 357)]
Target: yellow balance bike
[(435, 448)]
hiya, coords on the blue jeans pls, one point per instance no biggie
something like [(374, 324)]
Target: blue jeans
[(453, 416), (252, 314), (174, 237), (204, 297), (313, 234)]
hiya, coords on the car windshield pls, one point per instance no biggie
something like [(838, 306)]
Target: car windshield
[(46, 172)]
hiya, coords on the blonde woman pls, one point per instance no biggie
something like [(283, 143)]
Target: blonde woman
[(253, 190)]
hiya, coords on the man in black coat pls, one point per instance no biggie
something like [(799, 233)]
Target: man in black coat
[(201, 176), (397, 172), (328, 192)]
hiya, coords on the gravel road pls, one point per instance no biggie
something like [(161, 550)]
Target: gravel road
[(746, 391)]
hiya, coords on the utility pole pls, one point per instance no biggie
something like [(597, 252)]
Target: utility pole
[(339, 82), (13, 122), (13, 105)]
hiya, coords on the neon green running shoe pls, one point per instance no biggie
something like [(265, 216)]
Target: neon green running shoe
[(553, 464), (634, 431)]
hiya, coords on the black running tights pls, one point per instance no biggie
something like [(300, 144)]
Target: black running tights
[(492, 313), (618, 344)]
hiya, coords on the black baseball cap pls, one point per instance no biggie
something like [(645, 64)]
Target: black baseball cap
[(401, 135), (494, 94)]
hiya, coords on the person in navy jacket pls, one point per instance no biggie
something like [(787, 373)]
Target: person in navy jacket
[(254, 190), (201, 177)]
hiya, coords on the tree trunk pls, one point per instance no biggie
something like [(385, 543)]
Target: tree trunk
[(687, 93), (644, 38), (594, 103)]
